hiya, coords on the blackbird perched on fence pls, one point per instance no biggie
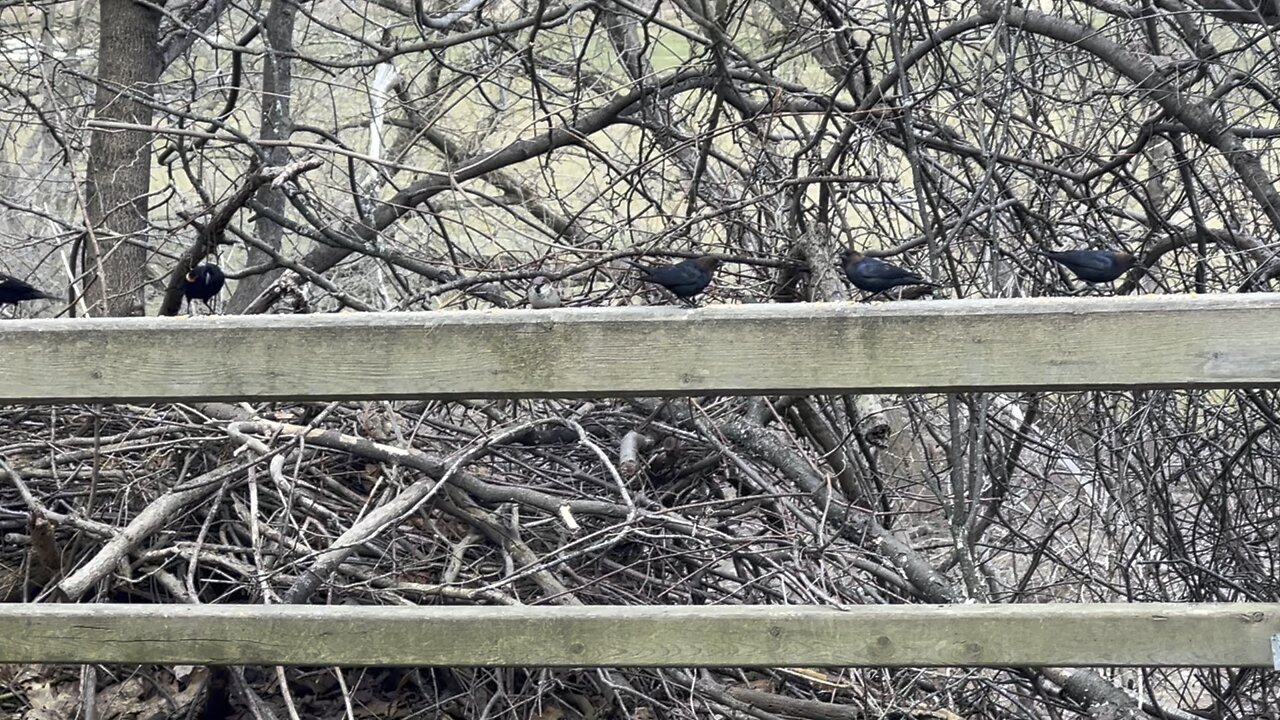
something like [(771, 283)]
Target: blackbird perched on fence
[(1095, 266), (875, 275), (684, 279), (203, 283), (14, 291)]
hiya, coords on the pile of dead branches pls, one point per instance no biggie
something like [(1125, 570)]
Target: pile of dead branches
[(684, 501)]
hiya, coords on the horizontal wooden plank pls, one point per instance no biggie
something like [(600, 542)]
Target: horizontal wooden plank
[(1225, 340), (1218, 635)]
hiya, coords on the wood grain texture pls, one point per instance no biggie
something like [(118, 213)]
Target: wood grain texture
[(1042, 343), (1227, 635)]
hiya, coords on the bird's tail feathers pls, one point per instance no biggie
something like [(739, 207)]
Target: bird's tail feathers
[(646, 271)]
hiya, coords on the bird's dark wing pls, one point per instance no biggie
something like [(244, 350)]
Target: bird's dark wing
[(8, 283), (674, 275), (881, 270), (1083, 259), (214, 278), (14, 290)]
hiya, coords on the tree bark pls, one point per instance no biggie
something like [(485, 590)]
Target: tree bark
[(119, 175), (277, 124)]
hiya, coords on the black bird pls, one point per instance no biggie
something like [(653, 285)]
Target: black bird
[(203, 283), (14, 291), (684, 279), (875, 275), (1095, 266)]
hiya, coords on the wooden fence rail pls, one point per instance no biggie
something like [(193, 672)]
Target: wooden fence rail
[(1039, 343), (1044, 344), (1209, 635)]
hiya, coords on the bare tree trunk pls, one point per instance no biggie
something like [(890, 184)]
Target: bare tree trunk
[(277, 124), (119, 175)]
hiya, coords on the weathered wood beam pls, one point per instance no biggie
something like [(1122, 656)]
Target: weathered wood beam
[(1227, 635), (1229, 340)]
